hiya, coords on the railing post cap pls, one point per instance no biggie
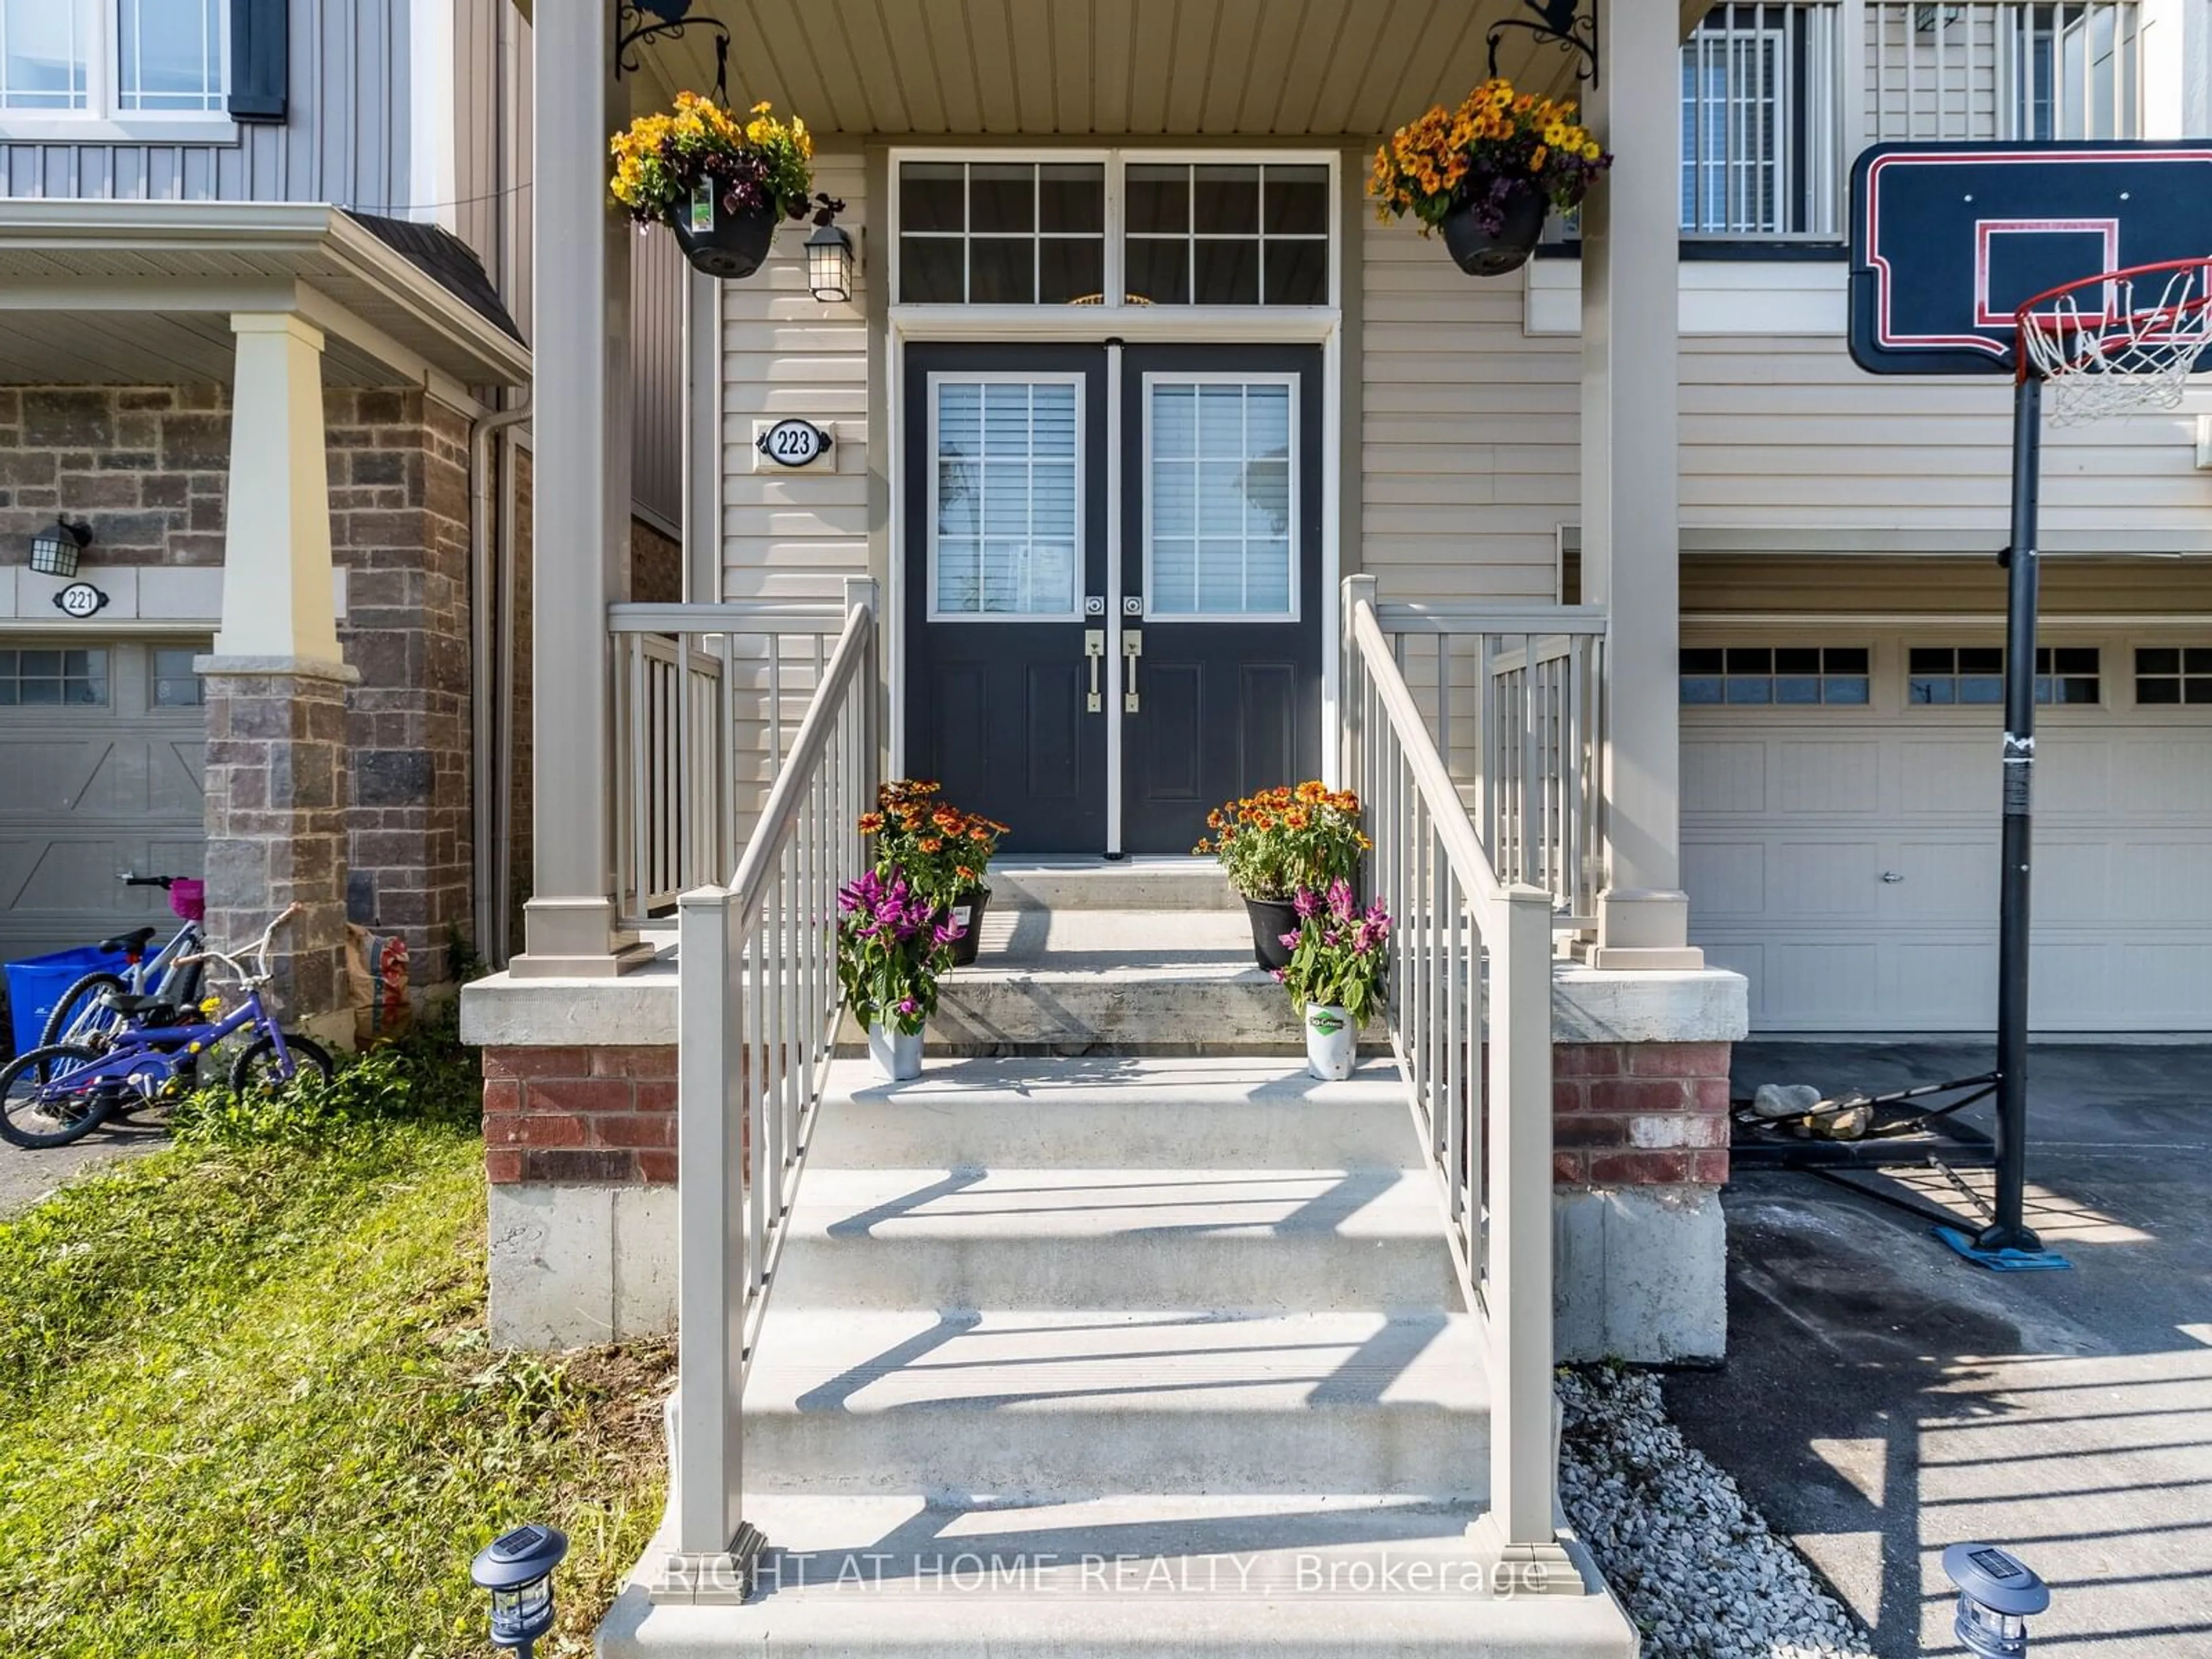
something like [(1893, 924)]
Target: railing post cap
[(698, 897)]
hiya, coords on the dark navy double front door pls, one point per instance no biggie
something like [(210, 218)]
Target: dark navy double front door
[(1112, 583)]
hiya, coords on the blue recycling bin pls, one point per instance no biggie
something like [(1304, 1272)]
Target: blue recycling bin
[(37, 983)]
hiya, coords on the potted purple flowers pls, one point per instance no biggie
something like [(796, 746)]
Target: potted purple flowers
[(892, 945), (1338, 954)]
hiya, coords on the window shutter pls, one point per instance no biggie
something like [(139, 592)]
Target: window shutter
[(260, 59)]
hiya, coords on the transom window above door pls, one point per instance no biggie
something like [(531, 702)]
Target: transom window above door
[(1133, 229)]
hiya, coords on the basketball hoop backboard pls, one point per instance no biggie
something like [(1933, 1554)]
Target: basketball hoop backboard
[(1948, 240)]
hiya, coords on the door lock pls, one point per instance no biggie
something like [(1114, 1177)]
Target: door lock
[(1094, 647), (1133, 646)]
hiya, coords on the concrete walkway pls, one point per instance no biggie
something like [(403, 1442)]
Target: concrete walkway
[(25, 1176), (1883, 1398)]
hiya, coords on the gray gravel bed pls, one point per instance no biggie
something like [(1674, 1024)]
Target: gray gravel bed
[(1694, 1564)]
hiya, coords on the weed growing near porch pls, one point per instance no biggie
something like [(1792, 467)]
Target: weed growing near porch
[(247, 1409)]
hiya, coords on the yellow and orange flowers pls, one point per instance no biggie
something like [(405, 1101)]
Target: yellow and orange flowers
[(1498, 142), (763, 164), (939, 849), (1275, 842)]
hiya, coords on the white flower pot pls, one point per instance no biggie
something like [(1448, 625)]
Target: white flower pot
[(1331, 1043), (897, 1055)]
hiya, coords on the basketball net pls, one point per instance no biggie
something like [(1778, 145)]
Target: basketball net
[(2120, 344)]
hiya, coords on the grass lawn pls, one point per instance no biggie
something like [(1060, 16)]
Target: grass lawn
[(247, 1407)]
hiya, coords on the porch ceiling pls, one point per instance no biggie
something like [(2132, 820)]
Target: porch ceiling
[(1108, 67)]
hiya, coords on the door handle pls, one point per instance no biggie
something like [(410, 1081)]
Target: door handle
[(1133, 646), (1892, 877), (1094, 647)]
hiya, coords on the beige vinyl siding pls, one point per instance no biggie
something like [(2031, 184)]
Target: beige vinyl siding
[(1469, 441), (1788, 435), (1720, 585), (657, 273), (798, 535)]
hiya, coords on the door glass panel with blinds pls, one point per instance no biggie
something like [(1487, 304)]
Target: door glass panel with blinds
[(1220, 537), (1007, 511)]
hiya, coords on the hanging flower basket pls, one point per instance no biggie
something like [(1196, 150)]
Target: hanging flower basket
[(1487, 174), (1484, 252), (722, 187)]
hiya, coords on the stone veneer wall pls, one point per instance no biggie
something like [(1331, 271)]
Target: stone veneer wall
[(148, 468), (399, 523)]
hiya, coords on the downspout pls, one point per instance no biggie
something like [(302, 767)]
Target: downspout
[(491, 597)]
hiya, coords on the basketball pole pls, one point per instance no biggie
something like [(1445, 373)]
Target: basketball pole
[(2009, 1230)]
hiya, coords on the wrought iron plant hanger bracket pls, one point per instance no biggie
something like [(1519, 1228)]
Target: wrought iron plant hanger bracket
[(1556, 22), (650, 19)]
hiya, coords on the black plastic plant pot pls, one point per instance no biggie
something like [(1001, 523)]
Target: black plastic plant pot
[(1480, 252), (970, 908), (1270, 919), (733, 247)]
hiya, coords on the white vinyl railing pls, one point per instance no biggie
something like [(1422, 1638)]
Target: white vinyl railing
[(1515, 699), (707, 701), (1469, 1013), (758, 1004), (1763, 131), (2004, 69)]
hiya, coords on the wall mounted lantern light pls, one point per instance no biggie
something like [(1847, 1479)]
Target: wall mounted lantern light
[(1998, 1593), (517, 1567), (54, 552), (830, 265)]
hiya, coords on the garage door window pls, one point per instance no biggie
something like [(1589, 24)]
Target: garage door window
[(54, 679), (175, 685), (1943, 675), (2173, 674), (1791, 676)]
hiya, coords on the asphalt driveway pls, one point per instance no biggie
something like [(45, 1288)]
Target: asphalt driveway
[(1883, 1398)]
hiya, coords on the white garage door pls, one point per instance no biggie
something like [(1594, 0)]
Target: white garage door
[(102, 745), (1840, 830)]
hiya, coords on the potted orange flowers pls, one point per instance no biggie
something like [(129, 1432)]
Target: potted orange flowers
[(1278, 843), (1487, 173), (942, 852)]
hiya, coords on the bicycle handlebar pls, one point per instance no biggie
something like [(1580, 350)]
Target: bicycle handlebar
[(259, 950)]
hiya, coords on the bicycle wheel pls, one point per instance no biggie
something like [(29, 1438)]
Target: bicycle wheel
[(257, 1073), (78, 1017), (39, 1108)]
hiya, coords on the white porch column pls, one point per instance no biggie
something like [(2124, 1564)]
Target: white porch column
[(279, 597), (1630, 498), (581, 499)]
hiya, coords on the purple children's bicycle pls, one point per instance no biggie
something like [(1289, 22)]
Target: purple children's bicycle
[(53, 1095)]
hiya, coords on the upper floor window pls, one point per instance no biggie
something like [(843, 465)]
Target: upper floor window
[(1137, 231), (1761, 148), (2012, 69), (115, 58)]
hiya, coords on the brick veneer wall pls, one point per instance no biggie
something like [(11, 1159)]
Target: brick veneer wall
[(1639, 1113), (1624, 1114), (598, 1117)]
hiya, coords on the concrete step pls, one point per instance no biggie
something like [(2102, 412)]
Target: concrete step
[(845, 1402), (1291, 1578), (1076, 981), (1145, 883), (1282, 1240), (1125, 1112)]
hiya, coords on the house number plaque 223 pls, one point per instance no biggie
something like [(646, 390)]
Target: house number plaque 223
[(795, 443)]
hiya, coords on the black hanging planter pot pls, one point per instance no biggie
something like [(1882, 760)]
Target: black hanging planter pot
[(1480, 252), (730, 245), (1270, 919)]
